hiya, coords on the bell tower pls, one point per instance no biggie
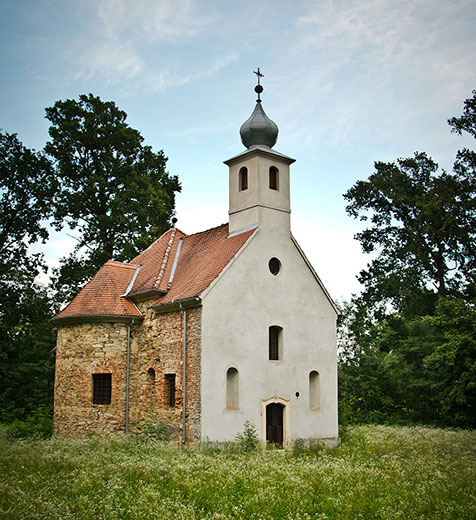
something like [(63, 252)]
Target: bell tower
[(259, 176)]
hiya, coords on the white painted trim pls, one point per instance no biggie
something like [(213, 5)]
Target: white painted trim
[(131, 284)]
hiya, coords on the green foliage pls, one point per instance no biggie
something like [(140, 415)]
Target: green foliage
[(304, 448), (38, 424), (114, 191), (26, 188), (407, 343), (451, 366), (27, 349), (376, 472), (153, 428), (421, 227), (248, 441)]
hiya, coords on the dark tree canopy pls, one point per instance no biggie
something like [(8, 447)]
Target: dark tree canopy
[(26, 188), (114, 190), (415, 359), (421, 228)]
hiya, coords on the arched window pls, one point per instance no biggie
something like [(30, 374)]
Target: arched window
[(232, 389), (275, 343), (314, 390), (243, 179), (273, 178)]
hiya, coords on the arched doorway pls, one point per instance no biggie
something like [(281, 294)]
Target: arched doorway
[(275, 424)]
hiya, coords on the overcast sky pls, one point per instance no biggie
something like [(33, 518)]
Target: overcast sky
[(348, 82)]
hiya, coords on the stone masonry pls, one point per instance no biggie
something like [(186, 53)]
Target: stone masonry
[(156, 349)]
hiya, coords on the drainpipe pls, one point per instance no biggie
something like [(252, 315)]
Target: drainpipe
[(128, 366), (184, 375)]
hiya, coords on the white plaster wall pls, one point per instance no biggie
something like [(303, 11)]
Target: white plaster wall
[(244, 205), (237, 311)]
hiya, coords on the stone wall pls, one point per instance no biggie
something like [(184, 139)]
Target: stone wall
[(156, 349)]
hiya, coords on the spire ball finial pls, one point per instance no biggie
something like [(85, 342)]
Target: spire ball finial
[(259, 129), (258, 88)]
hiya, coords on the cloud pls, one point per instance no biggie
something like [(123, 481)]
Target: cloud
[(354, 69), (152, 20)]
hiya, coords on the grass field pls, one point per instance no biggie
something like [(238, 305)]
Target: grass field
[(376, 473)]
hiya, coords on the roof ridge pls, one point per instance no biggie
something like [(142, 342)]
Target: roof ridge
[(206, 231), (165, 258), (119, 264), (158, 239)]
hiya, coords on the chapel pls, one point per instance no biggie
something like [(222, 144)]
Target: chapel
[(203, 332)]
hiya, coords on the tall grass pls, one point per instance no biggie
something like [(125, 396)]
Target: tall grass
[(376, 473)]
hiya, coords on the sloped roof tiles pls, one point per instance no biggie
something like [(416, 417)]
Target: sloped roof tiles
[(175, 267)]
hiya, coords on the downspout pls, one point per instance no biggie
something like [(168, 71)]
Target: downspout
[(184, 375), (128, 366)]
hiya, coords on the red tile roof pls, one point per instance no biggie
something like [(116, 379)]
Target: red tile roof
[(102, 295), (156, 263), (175, 267), (202, 257)]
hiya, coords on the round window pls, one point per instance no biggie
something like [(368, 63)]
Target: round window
[(274, 266)]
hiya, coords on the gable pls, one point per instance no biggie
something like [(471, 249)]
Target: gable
[(175, 267)]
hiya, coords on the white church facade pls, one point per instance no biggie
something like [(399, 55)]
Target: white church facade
[(210, 330)]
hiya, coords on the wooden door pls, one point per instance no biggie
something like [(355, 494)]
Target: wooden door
[(274, 424)]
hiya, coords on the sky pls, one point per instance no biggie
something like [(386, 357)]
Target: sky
[(348, 82)]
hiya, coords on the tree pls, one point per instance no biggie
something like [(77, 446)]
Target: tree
[(114, 190), (408, 341), (27, 341), (26, 189), (26, 349), (451, 367), (423, 225), (422, 232)]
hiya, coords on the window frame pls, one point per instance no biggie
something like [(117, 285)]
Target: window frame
[(243, 179), (273, 178), (170, 389), (275, 343), (102, 388)]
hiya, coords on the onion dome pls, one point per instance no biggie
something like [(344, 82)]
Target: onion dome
[(259, 129)]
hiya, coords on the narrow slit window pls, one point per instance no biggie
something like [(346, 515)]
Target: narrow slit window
[(273, 178), (170, 389), (275, 343), (102, 384), (243, 178), (232, 389)]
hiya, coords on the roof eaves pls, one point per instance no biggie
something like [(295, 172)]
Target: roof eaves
[(256, 149), (186, 303), (94, 318)]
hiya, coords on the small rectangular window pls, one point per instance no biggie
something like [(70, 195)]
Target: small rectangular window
[(170, 389), (102, 384)]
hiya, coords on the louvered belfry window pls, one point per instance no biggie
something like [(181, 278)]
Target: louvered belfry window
[(102, 384)]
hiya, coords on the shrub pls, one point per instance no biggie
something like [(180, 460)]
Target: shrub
[(38, 424), (153, 428), (248, 441)]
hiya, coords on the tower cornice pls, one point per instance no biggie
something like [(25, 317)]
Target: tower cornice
[(259, 150)]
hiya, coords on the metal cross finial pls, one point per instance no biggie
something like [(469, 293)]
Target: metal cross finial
[(258, 73), (258, 88)]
